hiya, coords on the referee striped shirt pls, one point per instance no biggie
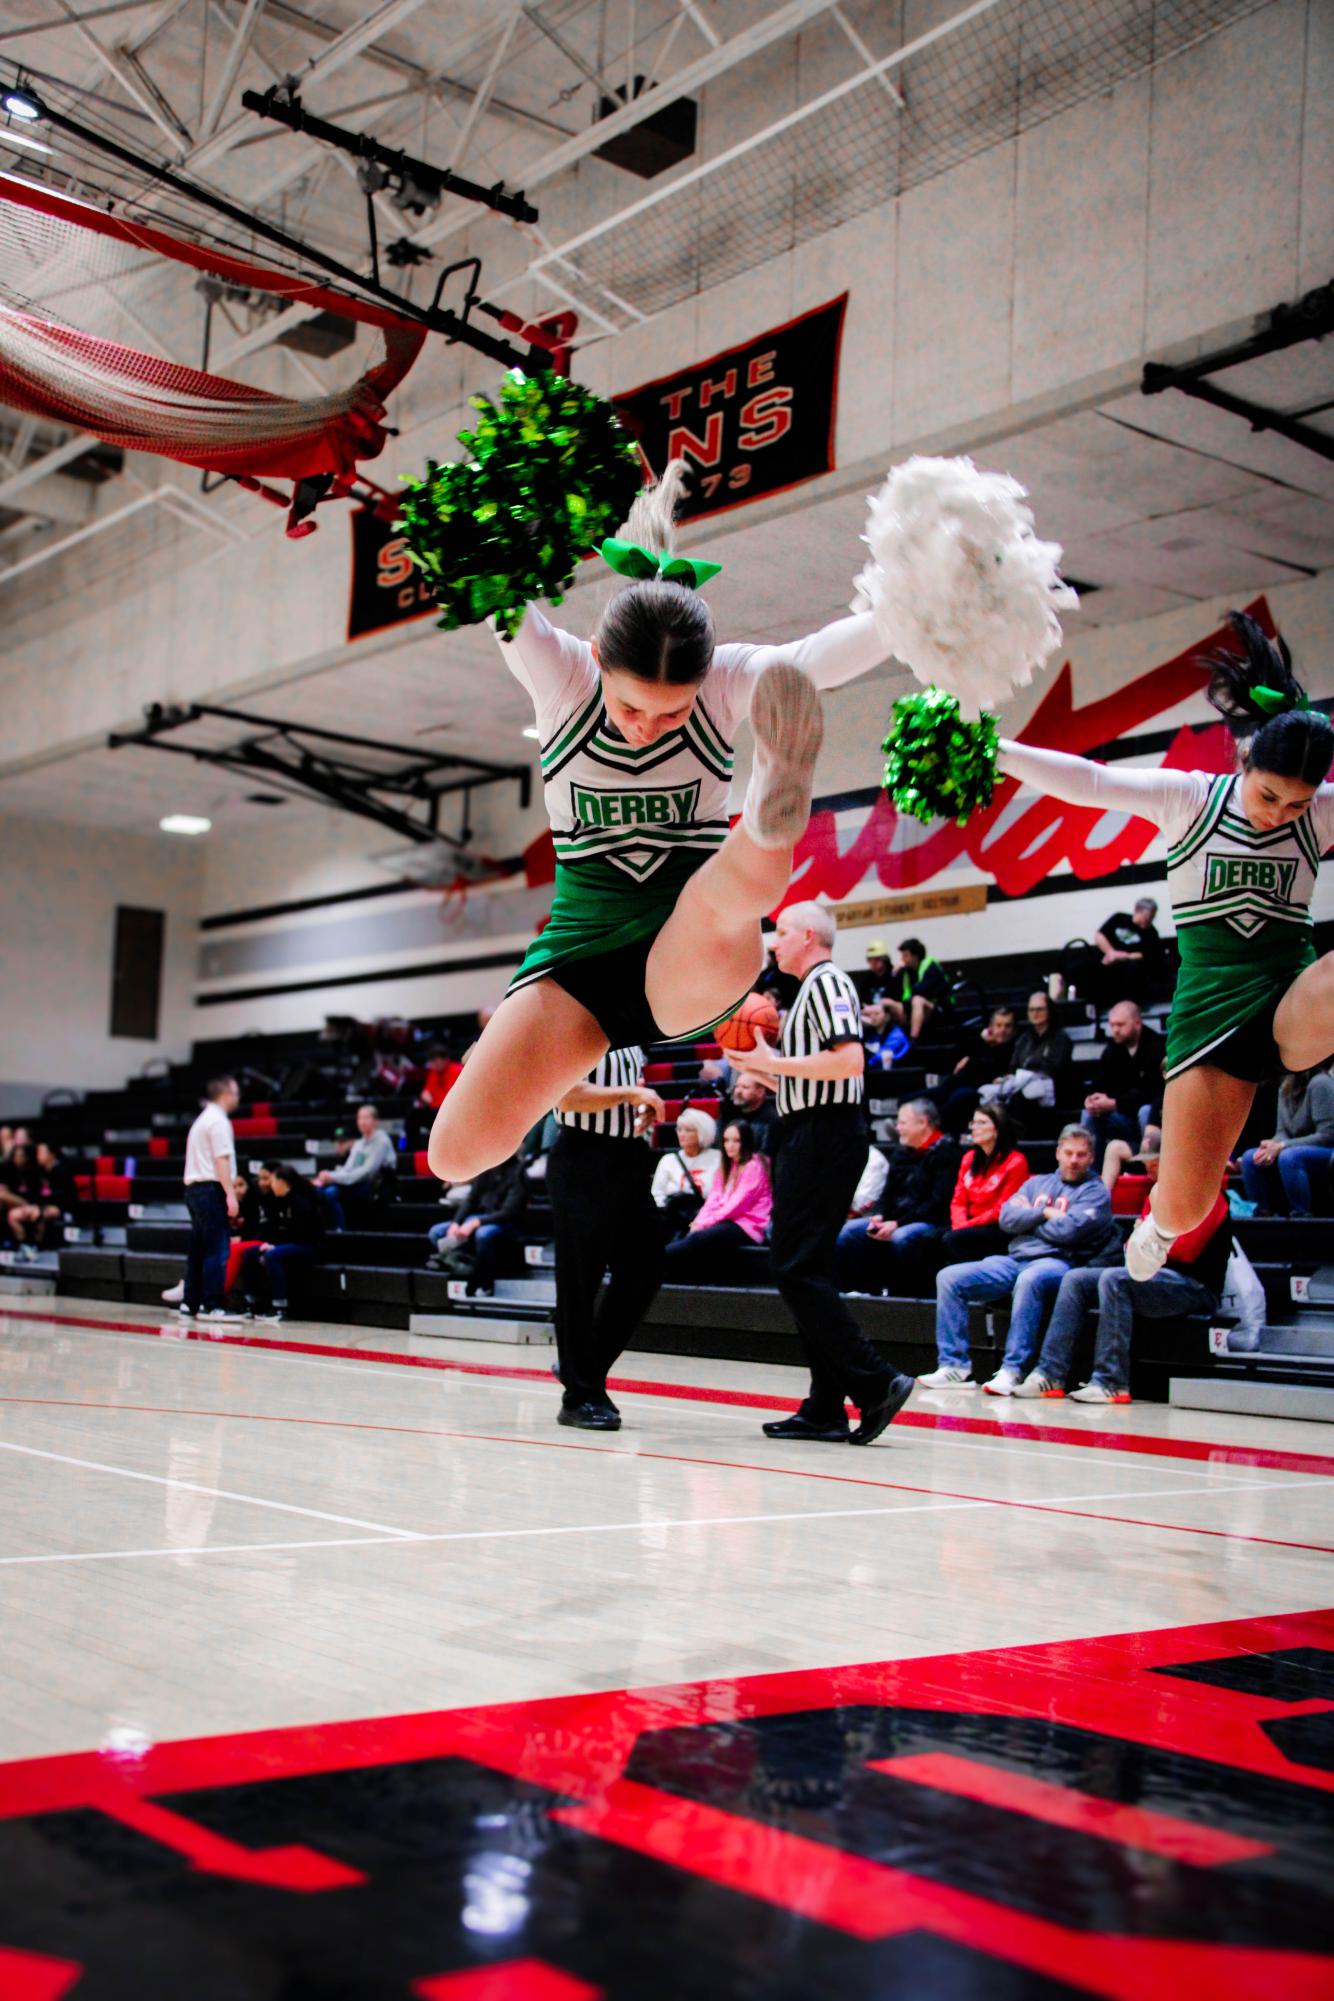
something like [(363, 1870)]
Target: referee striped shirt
[(619, 1070), (825, 1014)]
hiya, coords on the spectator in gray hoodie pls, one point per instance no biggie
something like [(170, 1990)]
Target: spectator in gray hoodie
[(1286, 1174), (353, 1187), (1055, 1222)]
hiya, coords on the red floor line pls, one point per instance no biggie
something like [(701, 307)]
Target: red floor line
[(1271, 1457), (693, 1459)]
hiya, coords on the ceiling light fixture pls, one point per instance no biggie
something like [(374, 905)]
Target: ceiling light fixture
[(184, 823), (19, 103)]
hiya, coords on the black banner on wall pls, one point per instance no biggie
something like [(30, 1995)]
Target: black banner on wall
[(386, 588), (752, 420)]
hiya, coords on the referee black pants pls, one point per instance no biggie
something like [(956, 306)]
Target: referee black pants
[(818, 1162), (605, 1219)]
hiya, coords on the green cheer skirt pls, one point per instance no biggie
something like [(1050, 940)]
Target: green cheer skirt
[(1227, 980)]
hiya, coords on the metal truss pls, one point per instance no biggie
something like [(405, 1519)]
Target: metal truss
[(331, 768), (1311, 318)]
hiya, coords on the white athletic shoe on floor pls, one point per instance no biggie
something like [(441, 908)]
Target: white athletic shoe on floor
[(218, 1314), (1003, 1384), (947, 1378), (1147, 1249), (787, 724), (1099, 1393), (1035, 1384), (174, 1294), (186, 1312)]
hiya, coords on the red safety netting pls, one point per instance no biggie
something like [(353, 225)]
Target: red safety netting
[(70, 375)]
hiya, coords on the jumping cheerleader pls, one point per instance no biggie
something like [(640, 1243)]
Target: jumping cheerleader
[(1251, 998), (654, 932)]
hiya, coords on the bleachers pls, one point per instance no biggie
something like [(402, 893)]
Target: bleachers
[(129, 1240)]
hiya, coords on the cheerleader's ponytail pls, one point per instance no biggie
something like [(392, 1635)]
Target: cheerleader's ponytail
[(1255, 690)]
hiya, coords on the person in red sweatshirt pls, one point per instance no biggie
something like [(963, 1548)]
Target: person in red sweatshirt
[(1191, 1281), (991, 1171)]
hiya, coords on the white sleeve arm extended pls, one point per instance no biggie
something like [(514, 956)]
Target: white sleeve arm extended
[(554, 666), (837, 653), (1166, 797)]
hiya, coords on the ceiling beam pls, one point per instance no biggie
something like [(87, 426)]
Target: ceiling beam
[(133, 80), (57, 27), (236, 55), (52, 461), (780, 23)]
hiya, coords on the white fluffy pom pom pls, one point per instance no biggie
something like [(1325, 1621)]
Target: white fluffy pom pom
[(961, 589)]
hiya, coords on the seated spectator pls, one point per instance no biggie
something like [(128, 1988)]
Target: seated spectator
[(885, 1042), (291, 1216), (246, 1230), (1131, 953), (13, 1173), (991, 1171), (1127, 1080), (734, 1213), (986, 1056), (351, 1190), (920, 990), (484, 1237), (877, 982), (684, 1173), (884, 1251), (750, 1102), (1039, 1057), (43, 1184), (1288, 1175), (1192, 1281), (1056, 1221)]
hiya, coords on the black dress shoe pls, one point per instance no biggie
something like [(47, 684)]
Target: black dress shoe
[(798, 1426), (881, 1414), (590, 1416)]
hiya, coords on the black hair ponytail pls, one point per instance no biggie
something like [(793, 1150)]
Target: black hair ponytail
[(1256, 692)]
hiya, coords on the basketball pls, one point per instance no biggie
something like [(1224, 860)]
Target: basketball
[(756, 1013)]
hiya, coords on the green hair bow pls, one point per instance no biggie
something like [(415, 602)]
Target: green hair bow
[(629, 560), (1277, 701)]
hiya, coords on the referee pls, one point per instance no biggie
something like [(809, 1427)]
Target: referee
[(819, 1154), (598, 1179)]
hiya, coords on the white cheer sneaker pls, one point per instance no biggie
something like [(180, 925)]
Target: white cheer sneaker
[(788, 727), (946, 1378), (1147, 1249)]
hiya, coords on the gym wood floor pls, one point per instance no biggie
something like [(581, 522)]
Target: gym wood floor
[(332, 1666)]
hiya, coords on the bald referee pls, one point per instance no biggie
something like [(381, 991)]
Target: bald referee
[(599, 1180), (819, 1154)]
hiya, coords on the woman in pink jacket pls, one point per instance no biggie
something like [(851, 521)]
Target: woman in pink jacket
[(736, 1212)]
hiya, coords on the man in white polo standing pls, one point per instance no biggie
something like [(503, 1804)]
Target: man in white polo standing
[(210, 1196)]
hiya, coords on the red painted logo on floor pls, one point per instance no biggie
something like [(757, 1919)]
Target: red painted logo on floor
[(1146, 1815)]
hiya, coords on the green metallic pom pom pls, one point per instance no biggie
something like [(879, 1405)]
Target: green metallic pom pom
[(549, 473), (937, 766)]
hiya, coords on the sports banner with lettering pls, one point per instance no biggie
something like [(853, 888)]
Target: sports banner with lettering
[(386, 589), (753, 420)]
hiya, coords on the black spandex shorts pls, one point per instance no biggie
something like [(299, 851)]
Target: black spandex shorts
[(1250, 1053), (611, 986)]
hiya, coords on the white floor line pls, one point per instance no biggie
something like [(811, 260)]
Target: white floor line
[(211, 1549), (507, 1535), (219, 1493), (389, 1372), (397, 1537)]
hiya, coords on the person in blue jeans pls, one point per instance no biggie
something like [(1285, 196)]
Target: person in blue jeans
[(1055, 1222), (882, 1252), (292, 1219), (1289, 1174), (1191, 1281), (489, 1222)]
